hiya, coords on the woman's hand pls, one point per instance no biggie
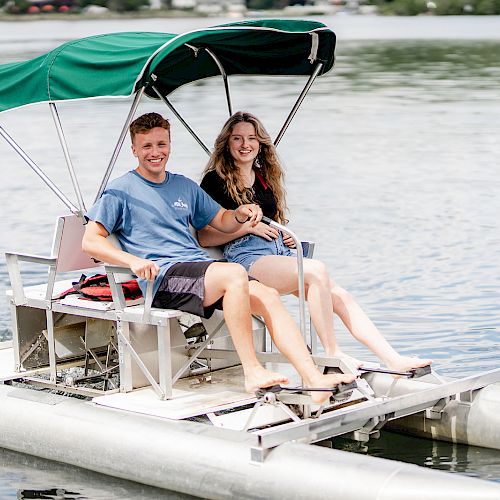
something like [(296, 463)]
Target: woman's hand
[(250, 213), (264, 231), (288, 240)]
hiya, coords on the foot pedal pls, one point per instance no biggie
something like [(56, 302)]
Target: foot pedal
[(420, 372), (338, 390), (344, 391), (262, 391), (195, 331), (413, 373)]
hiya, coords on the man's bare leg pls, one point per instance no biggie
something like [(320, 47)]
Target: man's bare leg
[(230, 281), (266, 302)]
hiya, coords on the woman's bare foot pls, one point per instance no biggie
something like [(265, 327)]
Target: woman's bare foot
[(351, 362), (407, 363), (327, 381), (260, 377)]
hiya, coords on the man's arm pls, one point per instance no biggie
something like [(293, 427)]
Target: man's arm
[(211, 237), (96, 244), (229, 221)]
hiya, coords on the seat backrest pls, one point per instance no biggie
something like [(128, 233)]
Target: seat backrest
[(67, 245), (214, 252)]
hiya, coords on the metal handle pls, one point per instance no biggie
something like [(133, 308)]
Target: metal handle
[(300, 269)]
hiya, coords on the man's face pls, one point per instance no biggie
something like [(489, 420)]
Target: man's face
[(152, 150)]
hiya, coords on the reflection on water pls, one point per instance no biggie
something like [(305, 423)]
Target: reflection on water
[(456, 458), (424, 66), (391, 168), (24, 476)]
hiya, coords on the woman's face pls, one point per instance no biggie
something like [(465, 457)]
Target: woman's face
[(243, 144)]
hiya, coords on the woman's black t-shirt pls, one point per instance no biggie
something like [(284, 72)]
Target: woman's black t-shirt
[(262, 195)]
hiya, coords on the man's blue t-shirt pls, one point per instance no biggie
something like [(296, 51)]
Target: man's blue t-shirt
[(152, 220)]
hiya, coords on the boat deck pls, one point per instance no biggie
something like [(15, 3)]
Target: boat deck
[(7, 371)]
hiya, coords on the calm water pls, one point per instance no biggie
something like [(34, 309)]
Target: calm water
[(392, 168)]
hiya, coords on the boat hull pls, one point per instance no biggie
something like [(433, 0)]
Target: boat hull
[(475, 423), (201, 460)]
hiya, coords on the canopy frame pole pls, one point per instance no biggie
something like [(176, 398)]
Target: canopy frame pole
[(181, 119), (69, 163), (297, 104), (39, 172), (224, 77), (119, 144)]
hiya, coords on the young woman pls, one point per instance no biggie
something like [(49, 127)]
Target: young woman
[(244, 168)]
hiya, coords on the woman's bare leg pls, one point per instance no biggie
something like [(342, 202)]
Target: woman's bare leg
[(280, 272), (363, 330), (324, 298), (266, 302)]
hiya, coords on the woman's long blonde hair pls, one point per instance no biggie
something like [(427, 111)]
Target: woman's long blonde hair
[(267, 161)]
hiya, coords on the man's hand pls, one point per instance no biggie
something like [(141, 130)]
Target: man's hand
[(248, 213), (143, 268), (265, 231)]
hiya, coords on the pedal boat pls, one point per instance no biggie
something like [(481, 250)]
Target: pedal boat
[(161, 401)]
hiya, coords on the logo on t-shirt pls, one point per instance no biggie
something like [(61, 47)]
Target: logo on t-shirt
[(180, 205)]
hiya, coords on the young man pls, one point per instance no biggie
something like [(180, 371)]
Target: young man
[(150, 211)]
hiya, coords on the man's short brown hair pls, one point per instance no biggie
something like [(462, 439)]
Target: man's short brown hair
[(146, 122)]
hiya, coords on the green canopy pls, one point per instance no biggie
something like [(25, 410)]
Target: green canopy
[(118, 64)]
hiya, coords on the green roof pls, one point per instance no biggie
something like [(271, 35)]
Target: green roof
[(118, 64)]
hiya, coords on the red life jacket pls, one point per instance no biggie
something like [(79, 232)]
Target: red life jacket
[(97, 288)]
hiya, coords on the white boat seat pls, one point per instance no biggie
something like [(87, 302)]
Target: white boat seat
[(144, 359)]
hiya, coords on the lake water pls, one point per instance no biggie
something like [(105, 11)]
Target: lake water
[(392, 168)]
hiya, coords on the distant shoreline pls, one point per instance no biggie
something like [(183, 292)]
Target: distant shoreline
[(293, 11), (82, 16)]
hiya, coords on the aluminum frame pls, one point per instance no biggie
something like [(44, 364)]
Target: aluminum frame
[(368, 414), (13, 144), (298, 102), (119, 143), (224, 78), (67, 157)]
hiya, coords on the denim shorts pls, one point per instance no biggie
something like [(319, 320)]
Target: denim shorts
[(250, 248)]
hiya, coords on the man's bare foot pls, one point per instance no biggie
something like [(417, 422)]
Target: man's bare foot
[(327, 381), (260, 377), (407, 363)]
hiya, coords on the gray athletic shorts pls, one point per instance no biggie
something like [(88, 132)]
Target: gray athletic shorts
[(183, 288)]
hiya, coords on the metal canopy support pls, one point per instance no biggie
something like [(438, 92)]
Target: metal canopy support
[(69, 163), (119, 143), (38, 171), (297, 104), (300, 271), (179, 117), (224, 77)]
